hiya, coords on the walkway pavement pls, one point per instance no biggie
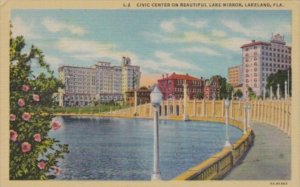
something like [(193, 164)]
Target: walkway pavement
[(268, 159)]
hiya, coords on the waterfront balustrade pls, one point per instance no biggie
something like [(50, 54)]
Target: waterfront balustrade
[(273, 112)]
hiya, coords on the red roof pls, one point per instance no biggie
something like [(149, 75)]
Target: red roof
[(255, 43), (175, 76)]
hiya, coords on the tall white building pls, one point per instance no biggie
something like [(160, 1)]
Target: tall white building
[(260, 59), (130, 75), (99, 83)]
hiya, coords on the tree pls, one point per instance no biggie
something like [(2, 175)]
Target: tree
[(229, 90), (33, 153), (251, 93), (238, 93), (199, 95), (225, 88), (279, 78)]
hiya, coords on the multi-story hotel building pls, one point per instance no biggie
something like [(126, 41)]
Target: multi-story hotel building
[(172, 86), (97, 84), (260, 59), (235, 75)]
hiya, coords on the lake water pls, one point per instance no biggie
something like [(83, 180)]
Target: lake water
[(122, 149)]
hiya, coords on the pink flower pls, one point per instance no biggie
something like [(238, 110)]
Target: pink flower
[(26, 116), (13, 135), (41, 165), (55, 125), (21, 102), (26, 147), (57, 170), (25, 88), (37, 137), (36, 97), (12, 117)]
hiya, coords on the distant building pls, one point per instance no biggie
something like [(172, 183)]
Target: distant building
[(143, 96), (238, 87), (235, 75), (100, 83), (261, 59), (212, 88), (172, 86)]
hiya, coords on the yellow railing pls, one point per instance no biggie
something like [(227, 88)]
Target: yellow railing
[(273, 112), (221, 163)]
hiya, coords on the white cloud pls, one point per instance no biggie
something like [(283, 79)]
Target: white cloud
[(251, 30), (166, 62), (170, 25), (229, 43), (55, 26), (232, 44), (92, 51), (26, 29), (201, 50), (167, 59), (218, 33), (237, 27), (196, 37), (54, 62), (196, 24)]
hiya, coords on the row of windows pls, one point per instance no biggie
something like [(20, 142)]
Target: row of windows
[(274, 65), (279, 49), (255, 70), (270, 59), (255, 75), (274, 55), (78, 71), (79, 97), (189, 90), (254, 85), (247, 80), (271, 69)]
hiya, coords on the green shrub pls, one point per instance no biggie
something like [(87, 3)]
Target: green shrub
[(33, 154)]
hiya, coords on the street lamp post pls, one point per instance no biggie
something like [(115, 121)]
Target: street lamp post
[(248, 115), (156, 98), (245, 118), (285, 90), (278, 91), (227, 143), (271, 92)]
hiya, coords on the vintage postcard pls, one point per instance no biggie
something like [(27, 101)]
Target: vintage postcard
[(149, 93)]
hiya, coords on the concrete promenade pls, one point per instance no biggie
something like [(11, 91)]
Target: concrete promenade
[(268, 159)]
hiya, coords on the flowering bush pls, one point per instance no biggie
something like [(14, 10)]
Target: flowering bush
[(33, 154)]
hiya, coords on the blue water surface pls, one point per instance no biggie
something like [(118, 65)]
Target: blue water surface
[(122, 149)]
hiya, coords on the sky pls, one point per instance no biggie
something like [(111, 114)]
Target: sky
[(201, 43)]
